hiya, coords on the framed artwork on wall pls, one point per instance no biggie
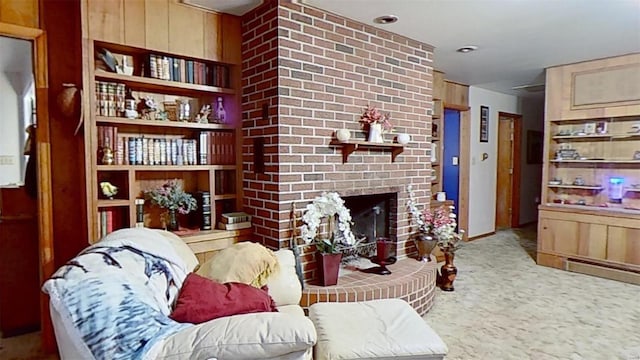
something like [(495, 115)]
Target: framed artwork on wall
[(484, 123)]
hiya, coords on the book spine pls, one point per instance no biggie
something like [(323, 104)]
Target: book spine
[(138, 150), (163, 151), (205, 210), (131, 141), (139, 213)]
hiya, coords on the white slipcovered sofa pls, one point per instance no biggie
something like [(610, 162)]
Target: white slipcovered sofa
[(113, 301)]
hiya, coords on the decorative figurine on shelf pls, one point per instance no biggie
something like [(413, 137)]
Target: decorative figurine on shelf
[(184, 110), (109, 190), (203, 115), (107, 154), (130, 105), (146, 107), (221, 114)]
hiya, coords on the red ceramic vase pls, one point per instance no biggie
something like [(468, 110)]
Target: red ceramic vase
[(328, 266)]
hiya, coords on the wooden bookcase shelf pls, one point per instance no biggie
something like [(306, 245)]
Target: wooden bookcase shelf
[(161, 123), (348, 147), (203, 155), (159, 85), (583, 187), (596, 162), (594, 228)]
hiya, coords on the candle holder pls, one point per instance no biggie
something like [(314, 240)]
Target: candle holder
[(382, 258)]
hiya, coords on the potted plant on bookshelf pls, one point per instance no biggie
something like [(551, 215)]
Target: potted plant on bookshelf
[(329, 206), (172, 197)]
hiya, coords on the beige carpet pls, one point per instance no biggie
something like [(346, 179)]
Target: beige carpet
[(506, 307)]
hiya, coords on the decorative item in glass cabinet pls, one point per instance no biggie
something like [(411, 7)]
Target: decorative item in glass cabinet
[(616, 191)]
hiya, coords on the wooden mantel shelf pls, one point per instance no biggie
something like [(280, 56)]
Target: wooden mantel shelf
[(350, 146)]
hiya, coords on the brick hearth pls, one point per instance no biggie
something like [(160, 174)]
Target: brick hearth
[(410, 280)]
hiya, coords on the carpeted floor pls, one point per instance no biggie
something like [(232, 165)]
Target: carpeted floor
[(506, 307)]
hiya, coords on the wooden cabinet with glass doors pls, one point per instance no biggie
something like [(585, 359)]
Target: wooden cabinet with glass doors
[(589, 219)]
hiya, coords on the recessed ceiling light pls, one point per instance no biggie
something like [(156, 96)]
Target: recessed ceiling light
[(467, 48), (386, 19)]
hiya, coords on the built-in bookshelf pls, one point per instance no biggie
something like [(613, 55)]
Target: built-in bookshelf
[(156, 117)]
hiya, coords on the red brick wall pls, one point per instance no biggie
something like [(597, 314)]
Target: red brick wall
[(317, 72)]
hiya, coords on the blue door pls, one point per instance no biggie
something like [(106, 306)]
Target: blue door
[(451, 157)]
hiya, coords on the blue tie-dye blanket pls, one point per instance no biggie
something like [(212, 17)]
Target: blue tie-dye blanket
[(118, 293)]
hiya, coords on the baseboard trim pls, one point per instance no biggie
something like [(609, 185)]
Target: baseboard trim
[(605, 272), (481, 236)]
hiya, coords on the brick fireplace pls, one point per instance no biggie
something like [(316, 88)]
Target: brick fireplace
[(306, 74)]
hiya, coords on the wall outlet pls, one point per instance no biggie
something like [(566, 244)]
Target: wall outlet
[(7, 160)]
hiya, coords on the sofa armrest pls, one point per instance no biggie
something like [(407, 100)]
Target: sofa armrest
[(248, 336), (284, 287)]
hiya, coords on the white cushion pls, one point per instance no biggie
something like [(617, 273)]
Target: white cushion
[(284, 287), (247, 336), (376, 329)]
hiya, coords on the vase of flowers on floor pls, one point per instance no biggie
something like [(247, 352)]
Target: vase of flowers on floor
[(375, 123), (174, 199), (440, 225), (328, 209), (443, 227)]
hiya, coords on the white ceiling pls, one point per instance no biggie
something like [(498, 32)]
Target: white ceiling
[(517, 39), (15, 55)]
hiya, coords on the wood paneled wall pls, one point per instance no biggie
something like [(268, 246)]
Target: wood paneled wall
[(163, 25), (20, 12), (456, 96)]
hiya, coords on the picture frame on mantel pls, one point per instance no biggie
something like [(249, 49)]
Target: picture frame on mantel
[(484, 123)]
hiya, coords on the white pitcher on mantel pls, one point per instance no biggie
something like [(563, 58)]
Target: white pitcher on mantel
[(375, 133)]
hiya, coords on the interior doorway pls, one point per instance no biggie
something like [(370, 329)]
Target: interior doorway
[(508, 171), (25, 213), (451, 156)]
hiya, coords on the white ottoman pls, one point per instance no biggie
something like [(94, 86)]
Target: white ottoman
[(376, 329)]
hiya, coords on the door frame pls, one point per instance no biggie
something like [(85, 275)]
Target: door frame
[(463, 164), (43, 151), (516, 147)]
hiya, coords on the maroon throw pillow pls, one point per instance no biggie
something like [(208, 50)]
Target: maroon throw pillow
[(202, 299)]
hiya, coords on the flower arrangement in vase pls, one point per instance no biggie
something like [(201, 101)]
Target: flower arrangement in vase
[(375, 122), (439, 224), (331, 206), (172, 197)]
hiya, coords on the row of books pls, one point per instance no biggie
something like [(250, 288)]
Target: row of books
[(234, 221), (187, 71), (217, 148), (133, 149), (110, 98), (109, 220), (225, 182)]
